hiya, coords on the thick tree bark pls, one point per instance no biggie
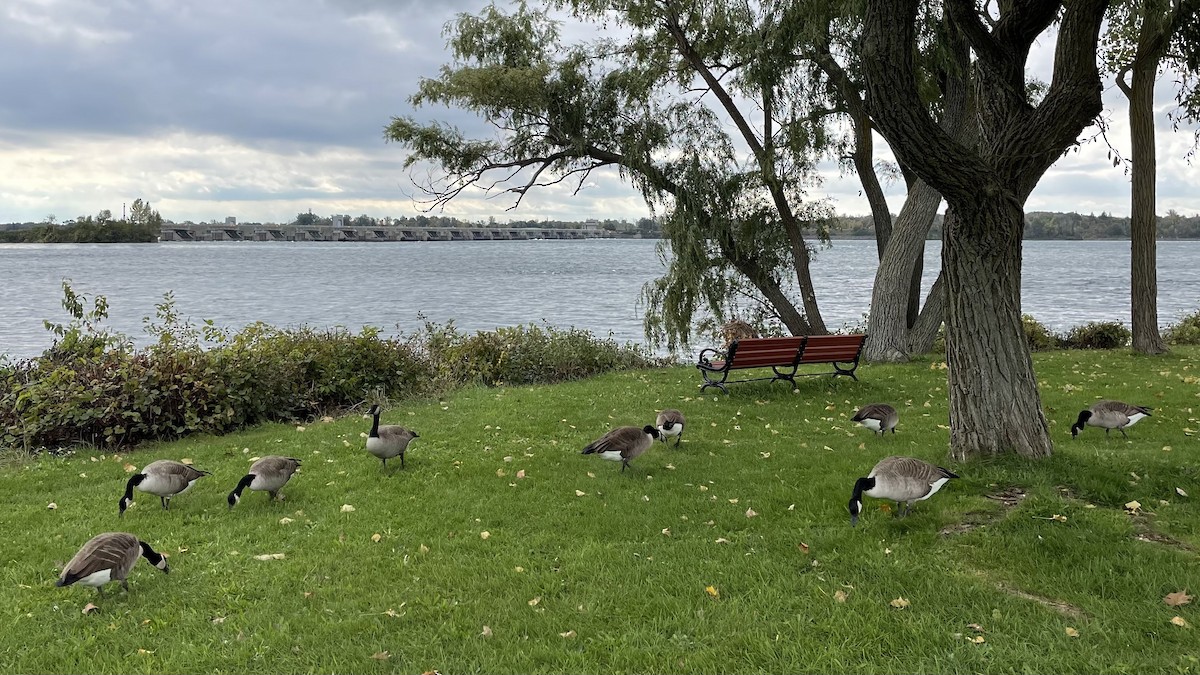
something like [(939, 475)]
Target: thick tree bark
[(994, 403), (924, 332), (888, 322)]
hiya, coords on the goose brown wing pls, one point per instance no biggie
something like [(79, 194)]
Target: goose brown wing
[(116, 551), (874, 411), (621, 439)]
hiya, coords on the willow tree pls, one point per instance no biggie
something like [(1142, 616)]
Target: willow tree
[(994, 402), (1143, 37), (703, 134)]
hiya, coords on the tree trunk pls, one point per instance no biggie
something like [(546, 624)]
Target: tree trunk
[(994, 401), (1143, 220), (888, 321), (924, 332)]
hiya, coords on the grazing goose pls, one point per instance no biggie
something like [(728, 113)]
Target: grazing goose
[(1110, 415), (670, 423), (389, 440), (165, 478), (878, 417), (900, 479), (269, 473), (623, 444), (109, 557)]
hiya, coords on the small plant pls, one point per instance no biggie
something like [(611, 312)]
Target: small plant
[(1186, 331), (1098, 335), (1039, 337)]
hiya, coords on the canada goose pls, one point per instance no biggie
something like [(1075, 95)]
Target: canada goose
[(900, 479), (623, 444), (389, 440), (1110, 415), (165, 478), (269, 473), (109, 557), (878, 417), (670, 423)]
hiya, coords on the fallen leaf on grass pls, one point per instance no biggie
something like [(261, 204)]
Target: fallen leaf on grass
[(975, 627), (666, 531), (712, 592), (978, 639), (299, 428), (1179, 491), (145, 651), (1060, 518), (186, 460), (270, 556), (500, 473), (521, 473), (218, 619), (52, 506), (1071, 632), (535, 601), (346, 508), (804, 547), (899, 603), (839, 595), (1133, 506), (1178, 598), (285, 520), (381, 656), (485, 534), (750, 513), (89, 608), (423, 549), (580, 493), (1181, 622), (376, 537), (129, 468), (487, 632), (568, 635)]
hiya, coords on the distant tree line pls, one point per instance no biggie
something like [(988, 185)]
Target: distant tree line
[(140, 226), (1046, 225)]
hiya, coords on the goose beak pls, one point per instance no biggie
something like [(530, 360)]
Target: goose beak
[(853, 520)]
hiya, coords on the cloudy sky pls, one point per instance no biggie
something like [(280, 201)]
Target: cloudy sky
[(267, 108)]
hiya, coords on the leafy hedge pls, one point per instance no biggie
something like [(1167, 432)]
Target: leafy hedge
[(95, 387)]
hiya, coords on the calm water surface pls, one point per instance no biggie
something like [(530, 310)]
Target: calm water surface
[(592, 284)]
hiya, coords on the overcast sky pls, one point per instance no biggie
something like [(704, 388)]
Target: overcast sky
[(267, 108)]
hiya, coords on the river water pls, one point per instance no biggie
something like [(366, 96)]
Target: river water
[(589, 284)]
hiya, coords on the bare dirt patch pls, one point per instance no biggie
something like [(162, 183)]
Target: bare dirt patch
[(1009, 497)]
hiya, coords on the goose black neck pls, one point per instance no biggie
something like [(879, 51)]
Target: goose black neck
[(374, 425), (861, 485), (243, 484), (149, 553), (133, 480), (1084, 416)]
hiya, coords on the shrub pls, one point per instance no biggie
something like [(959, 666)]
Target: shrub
[(94, 387), (1039, 337), (1097, 335), (1184, 332)]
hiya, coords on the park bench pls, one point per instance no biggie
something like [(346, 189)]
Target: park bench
[(783, 355)]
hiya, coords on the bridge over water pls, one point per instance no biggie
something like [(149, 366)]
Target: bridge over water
[(229, 232)]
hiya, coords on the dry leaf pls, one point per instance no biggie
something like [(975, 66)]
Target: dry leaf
[(518, 569), (1071, 632), (580, 493), (299, 428), (975, 627), (535, 601), (381, 656), (52, 506), (487, 632), (521, 473), (885, 507), (978, 639), (712, 592), (500, 473), (89, 608), (804, 547), (1181, 622), (722, 540), (485, 534), (839, 595), (568, 635), (285, 520), (1059, 518), (1133, 506), (666, 531), (129, 468), (1178, 598), (145, 651), (423, 549), (346, 508), (750, 513), (270, 556), (733, 501), (1180, 492), (899, 603), (376, 537), (186, 460)]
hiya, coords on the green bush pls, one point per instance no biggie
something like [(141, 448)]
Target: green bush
[(1184, 332), (1039, 337), (1097, 335), (94, 387)]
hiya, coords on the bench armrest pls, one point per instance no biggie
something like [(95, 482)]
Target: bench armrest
[(706, 354)]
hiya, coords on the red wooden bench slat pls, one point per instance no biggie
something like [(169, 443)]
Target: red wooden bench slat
[(785, 352)]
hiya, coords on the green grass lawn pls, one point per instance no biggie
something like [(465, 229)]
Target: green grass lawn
[(502, 549)]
